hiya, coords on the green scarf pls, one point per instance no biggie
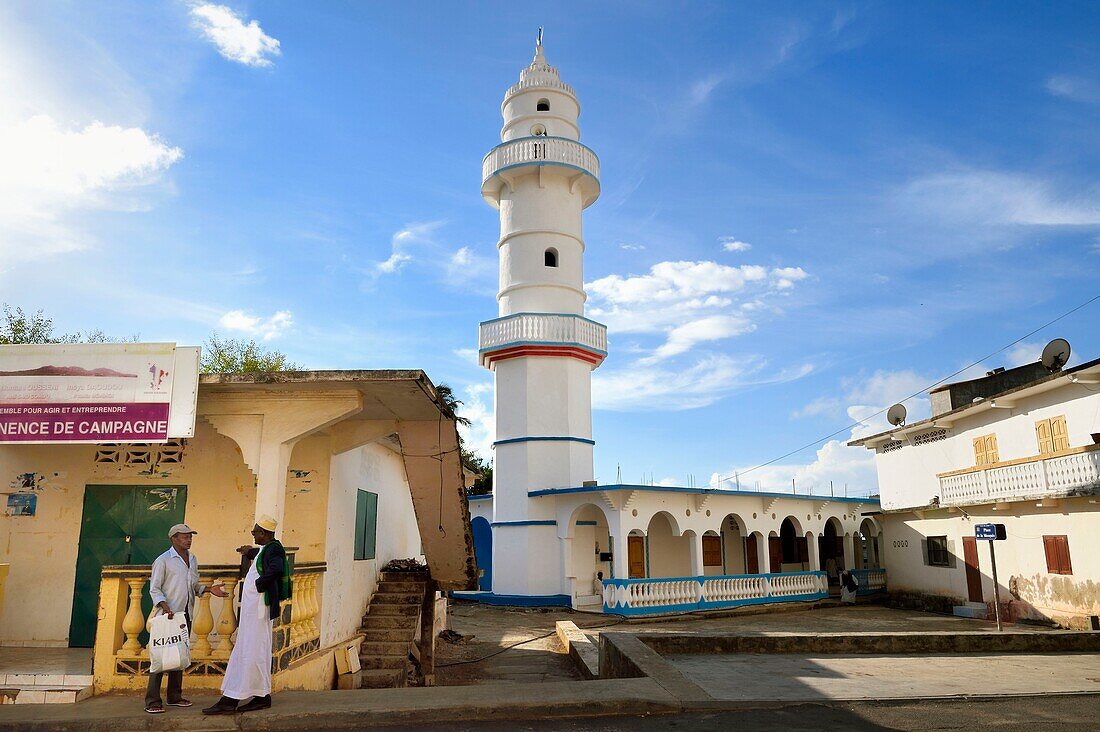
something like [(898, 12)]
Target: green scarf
[(284, 584)]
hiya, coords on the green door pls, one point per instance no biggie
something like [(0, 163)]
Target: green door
[(121, 524)]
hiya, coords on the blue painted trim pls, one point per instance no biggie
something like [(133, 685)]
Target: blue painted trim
[(524, 523), (587, 523), (512, 344), (540, 163), (680, 489), (539, 137), (525, 312), (491, 598), (487, 497), (514, 440)]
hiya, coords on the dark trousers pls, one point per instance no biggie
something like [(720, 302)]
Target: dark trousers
[(175, 680)]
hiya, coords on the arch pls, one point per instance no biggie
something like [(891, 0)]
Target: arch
[(483, 552), (830, 549), (550, 257), (735, 535), (793, 551), (756, 557), (668, 552), (869, 542), (590, 548), (542, 105)]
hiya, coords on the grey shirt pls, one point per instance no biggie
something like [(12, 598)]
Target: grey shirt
[(176, 582)]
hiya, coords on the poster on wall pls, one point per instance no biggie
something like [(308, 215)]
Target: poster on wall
[(97, 392), (22, 504)]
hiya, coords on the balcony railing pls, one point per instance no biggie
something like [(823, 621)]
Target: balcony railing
[(872, 580), (551, 328), (688, 594), (122, 661), (1033, 477), (540, 151)]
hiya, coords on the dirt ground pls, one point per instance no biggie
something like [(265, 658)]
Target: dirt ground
[(488, 630)]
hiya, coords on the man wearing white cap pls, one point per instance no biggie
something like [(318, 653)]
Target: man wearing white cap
[(173, 587), (265, 585)]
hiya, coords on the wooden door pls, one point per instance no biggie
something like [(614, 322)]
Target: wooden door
[(775, 554), (973, 574), (635, 555), (752, 560), (712, 551)]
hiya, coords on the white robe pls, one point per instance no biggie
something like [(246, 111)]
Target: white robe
[(248, 673)]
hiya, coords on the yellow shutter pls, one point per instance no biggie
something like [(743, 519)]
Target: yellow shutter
[(979, 451), (1058, 433), (1042, 436), (991, 449)]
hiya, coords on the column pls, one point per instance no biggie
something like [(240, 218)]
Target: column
[(849, 551), (271, 480), (695, 547), (619, 557), (812, 563)]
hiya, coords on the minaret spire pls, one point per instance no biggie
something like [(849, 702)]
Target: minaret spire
[(540, 55)]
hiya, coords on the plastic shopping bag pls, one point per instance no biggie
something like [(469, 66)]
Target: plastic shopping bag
[(169, 644)]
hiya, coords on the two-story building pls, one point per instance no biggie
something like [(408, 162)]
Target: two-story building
[(1021, 448)]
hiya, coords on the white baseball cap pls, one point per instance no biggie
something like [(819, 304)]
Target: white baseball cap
[(180, 529)]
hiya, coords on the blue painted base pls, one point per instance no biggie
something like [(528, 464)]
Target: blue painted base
[(490, 598)]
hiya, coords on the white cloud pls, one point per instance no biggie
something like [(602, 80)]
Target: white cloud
[(701, 90), (468, 354), (731, 244), (414, 234), (258, 327), (1024, 353), (648, 386), (235, 39), (50, 171), (462, 258), (477, 407), (632, 247), (1001, 198), (847, 468), (393, 264), (1074, 87), (683, 338)]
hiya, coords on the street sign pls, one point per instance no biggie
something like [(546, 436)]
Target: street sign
[(989, 532)]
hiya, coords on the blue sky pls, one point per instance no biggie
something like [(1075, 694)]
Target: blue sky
[(809, 211)]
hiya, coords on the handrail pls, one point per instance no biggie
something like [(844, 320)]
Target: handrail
[(1024, 478), (667, 595), (541, 150)]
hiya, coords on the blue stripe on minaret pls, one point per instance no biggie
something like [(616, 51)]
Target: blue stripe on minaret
[(514, 440)]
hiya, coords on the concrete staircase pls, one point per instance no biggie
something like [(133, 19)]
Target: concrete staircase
[(978, 610), (389, 629)]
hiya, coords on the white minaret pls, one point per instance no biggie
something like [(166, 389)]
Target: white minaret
[(541, 347)]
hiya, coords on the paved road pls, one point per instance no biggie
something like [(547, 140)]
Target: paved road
[(1030, 713)]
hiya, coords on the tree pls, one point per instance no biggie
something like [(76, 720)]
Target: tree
[(471, 461), (238, 356), (17, 326)]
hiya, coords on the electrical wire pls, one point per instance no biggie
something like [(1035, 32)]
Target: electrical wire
[(915, 394)]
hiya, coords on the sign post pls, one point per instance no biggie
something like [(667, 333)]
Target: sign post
[(992, 533)]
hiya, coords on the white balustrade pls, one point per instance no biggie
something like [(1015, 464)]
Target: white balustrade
[(727, 589), (536, 150), (1025, 479), (687, 594), (541, 81), (543, 328)]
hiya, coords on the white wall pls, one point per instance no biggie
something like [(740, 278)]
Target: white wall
[(1021, 561), (349, 583), (907, 476)]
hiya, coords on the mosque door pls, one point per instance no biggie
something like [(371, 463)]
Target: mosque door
[(121, 524), (483, 552), (635, 546), (752, 560), (775, 554)]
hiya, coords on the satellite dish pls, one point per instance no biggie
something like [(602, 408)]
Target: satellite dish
[(896, 414), (1055, 354)]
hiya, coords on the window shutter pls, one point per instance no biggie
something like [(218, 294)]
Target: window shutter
[(370, 529), (991, 449), (979, 451), (360, 522), (1043, 437), (924, 552), (1059, 435), (1063, 546), (1050, 547)]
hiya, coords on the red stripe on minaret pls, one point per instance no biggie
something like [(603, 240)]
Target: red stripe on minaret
[(505, 354)]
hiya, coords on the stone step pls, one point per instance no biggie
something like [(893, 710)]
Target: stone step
[(390, 622), (376, 663), (385, 609), (384, 648), (41, 694), (393, 586), (387, 635), (396, 598), (971, 610), (403, 577), (389, 678)]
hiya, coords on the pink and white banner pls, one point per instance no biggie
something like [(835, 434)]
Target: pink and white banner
[(117, 392)]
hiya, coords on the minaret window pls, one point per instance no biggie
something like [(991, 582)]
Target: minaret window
[(550, 259), (542, 105)]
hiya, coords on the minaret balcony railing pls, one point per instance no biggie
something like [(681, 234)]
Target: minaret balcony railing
[(540, 82), (541, 150), (542, 334)]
